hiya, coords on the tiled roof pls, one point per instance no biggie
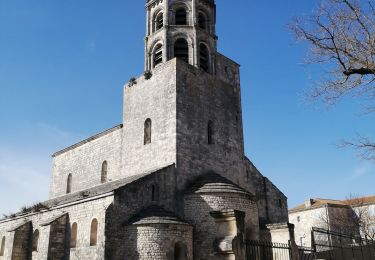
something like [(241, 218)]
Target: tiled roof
[(360, 201), (316, 203)]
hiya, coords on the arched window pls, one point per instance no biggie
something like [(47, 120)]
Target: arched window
[(180, 251), (104, 172), (203, 57), (94, 232), (69, 184), (202, 21), (2, 248), (147, 130), (73, 236), (210, 132), (181, 16), (181, 50), (158, 55), (154, 193), (35, 241), (158, 21)]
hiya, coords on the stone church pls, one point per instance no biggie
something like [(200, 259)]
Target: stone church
[(172, 181)]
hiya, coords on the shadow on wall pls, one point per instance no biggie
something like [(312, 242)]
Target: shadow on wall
[(223, 215)]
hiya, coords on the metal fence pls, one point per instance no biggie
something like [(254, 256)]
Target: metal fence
[(306, 253), (331, 245), (261, 250), (345, 248)]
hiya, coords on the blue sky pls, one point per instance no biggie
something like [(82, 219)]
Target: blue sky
[(63, 65)]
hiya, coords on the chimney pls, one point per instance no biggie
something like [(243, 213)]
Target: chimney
[(308, 203)]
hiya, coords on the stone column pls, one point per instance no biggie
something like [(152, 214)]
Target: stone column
[(229, 244), (284, 233)]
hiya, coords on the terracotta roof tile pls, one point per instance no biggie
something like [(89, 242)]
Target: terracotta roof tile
[(316, 203)]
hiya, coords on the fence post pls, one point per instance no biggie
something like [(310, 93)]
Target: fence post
[(353, 252), (294, 252), (342, 248), (361, 245)]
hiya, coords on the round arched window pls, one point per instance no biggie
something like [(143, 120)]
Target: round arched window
[(94, 232), (181, 50), (73, 236), (202, 21), (203, 57), (158, 21), (69, 183), (35, 241), (158, 55), (181, 16)]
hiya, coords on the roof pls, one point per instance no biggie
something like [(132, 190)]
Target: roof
[(214, 183), (317, 203), (101, 189), (90, 193), (360, 201), (155, 215), (94, 137)]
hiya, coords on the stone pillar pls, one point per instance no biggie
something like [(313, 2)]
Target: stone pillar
[(229, 244), (57, 247), (284, 233), (22, 242)]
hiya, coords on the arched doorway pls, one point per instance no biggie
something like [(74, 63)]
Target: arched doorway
[(180, 251)]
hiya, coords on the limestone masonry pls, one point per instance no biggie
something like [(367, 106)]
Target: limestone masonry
[(172, 181)]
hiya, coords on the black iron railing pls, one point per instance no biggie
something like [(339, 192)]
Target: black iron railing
[(261, 250)]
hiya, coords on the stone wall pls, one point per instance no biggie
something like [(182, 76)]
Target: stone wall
[(272, 203), (227, 70), (135, 198), (158, 241), (201, 98), (154, 99), (51, 243), (22, 242), (84, 161), (58, 241), (197, 212)]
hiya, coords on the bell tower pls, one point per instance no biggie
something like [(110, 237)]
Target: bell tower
[(184, 29), (186, 108)]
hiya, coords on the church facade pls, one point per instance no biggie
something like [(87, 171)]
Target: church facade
[(172, 181)]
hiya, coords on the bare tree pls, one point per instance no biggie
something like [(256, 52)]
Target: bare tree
[(340, 219), (364, 216), (341, 36)]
